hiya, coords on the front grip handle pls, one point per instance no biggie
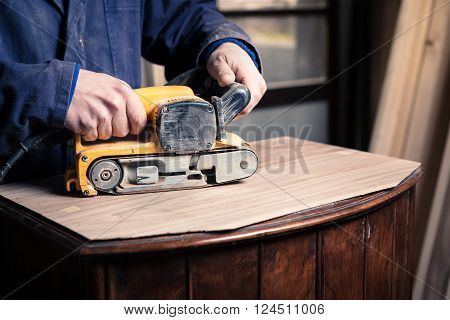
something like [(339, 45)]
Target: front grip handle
[(229, 105), (234, 97), (228, 101), (233, 101)]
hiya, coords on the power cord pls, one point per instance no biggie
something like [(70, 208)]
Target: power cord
[(25, 146)]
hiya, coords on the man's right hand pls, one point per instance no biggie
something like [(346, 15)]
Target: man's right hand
[(103, 107)]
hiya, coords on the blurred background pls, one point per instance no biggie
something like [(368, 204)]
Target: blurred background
[(371, 75)]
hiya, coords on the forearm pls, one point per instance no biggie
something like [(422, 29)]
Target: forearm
[(180, 39), (32, 96)]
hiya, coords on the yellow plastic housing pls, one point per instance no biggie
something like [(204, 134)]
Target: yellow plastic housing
[(85, 153)]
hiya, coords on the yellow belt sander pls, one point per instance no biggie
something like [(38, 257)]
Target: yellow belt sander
[(184, 146)]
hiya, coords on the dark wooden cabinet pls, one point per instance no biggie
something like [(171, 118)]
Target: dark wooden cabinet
[(354, 249)]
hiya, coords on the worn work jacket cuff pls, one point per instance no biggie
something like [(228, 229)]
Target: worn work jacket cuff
[(76, 71), (63, 93), (226, 31), (213, 46)]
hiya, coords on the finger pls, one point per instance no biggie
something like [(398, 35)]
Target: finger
[(255, 92), (136, 114), (263, 86), (92, 135), (221, 71), (120, 125), (87, 125), (104, 129), (258, 88)]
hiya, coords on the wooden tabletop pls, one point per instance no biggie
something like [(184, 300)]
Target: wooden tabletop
[(308, 183)]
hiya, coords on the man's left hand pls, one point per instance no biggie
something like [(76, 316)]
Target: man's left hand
[(230, 63)]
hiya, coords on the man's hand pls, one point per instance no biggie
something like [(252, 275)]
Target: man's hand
[(103, 107), (229, 63)]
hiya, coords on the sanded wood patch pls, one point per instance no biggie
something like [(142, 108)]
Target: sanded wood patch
[(294, 175)]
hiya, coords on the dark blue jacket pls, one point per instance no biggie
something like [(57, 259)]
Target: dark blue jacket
[(42, 40)]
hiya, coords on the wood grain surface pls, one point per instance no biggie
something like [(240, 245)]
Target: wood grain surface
[(288, 267), (224, 273), (146, 278), (294, 175), (379, 241), (342, 261), (365, 255)]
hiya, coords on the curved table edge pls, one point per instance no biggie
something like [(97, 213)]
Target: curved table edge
[(296, 221)]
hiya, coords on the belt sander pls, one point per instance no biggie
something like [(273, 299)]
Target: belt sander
[(184, 145)]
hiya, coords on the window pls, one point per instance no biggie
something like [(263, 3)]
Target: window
[(292, 48), (292, 39), (291, 36)]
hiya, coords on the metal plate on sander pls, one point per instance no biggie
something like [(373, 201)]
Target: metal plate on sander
[(164, 172)]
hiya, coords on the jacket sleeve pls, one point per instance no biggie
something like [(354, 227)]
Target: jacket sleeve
[(32, 97), (176, 32)]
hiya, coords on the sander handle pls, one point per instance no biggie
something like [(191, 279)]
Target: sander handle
[(233, 101), (229, 105), (234, 98)]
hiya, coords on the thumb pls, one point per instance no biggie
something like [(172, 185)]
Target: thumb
[(221, 71)]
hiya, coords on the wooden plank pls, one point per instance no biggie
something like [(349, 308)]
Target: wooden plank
[(430, 114), (401, 78), (155, 277), (401, 278), (225, 273), (294, 175), (426, 111), (438, 277), (302, 220), (343, 261), (288, 267), (413, 114), (438, 215), (379, 229)]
